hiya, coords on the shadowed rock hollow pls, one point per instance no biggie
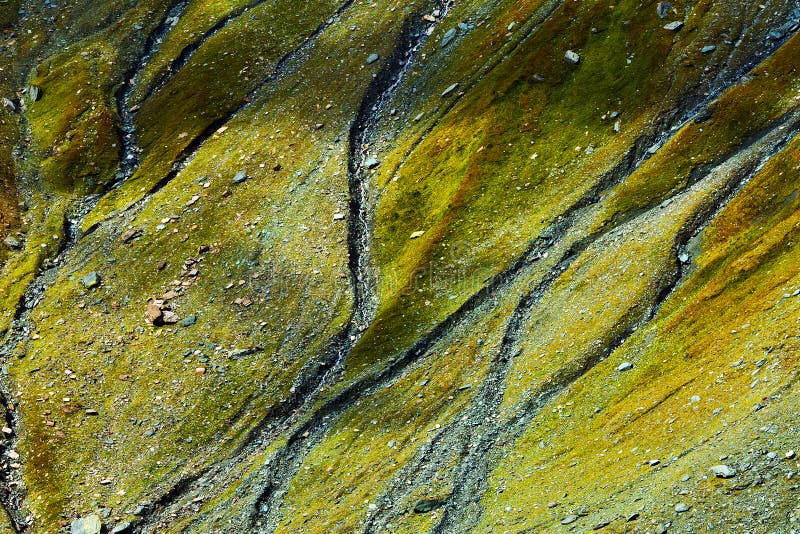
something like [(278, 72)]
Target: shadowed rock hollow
[(455, 266)]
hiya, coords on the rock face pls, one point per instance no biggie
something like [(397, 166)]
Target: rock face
[(389, 266)]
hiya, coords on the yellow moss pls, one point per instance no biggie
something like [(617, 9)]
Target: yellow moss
[(651, 412)]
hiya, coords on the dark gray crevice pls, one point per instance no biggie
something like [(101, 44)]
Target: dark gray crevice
[(189, 50), (471, 475), (462, 511), (306, 434), (129, 151), (187, 154), (316, 374), (21, 328)]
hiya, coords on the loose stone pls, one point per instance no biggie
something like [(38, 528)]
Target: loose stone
[(723, 471), (449, 90), (91, 280), (90, 524), (572, 57)]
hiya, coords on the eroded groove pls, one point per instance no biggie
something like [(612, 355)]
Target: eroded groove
[(22, 326), (307, 434), (471, 475), (542, 16), (373, 105), (188, 51), (316, 374), (187, 154), (129, 154)]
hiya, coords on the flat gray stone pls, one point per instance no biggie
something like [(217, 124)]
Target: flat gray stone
[(86, 525), (428, 505), (123, 528), (240, 353), (91, 280), (372, 58), (723, 471), (775, 35), (569, 519), (34, 93), (12, 242), (449, 90), (239, 177), (448, 37), (674, 26)]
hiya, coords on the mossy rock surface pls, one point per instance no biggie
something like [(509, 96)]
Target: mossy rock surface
[(399, 266)]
